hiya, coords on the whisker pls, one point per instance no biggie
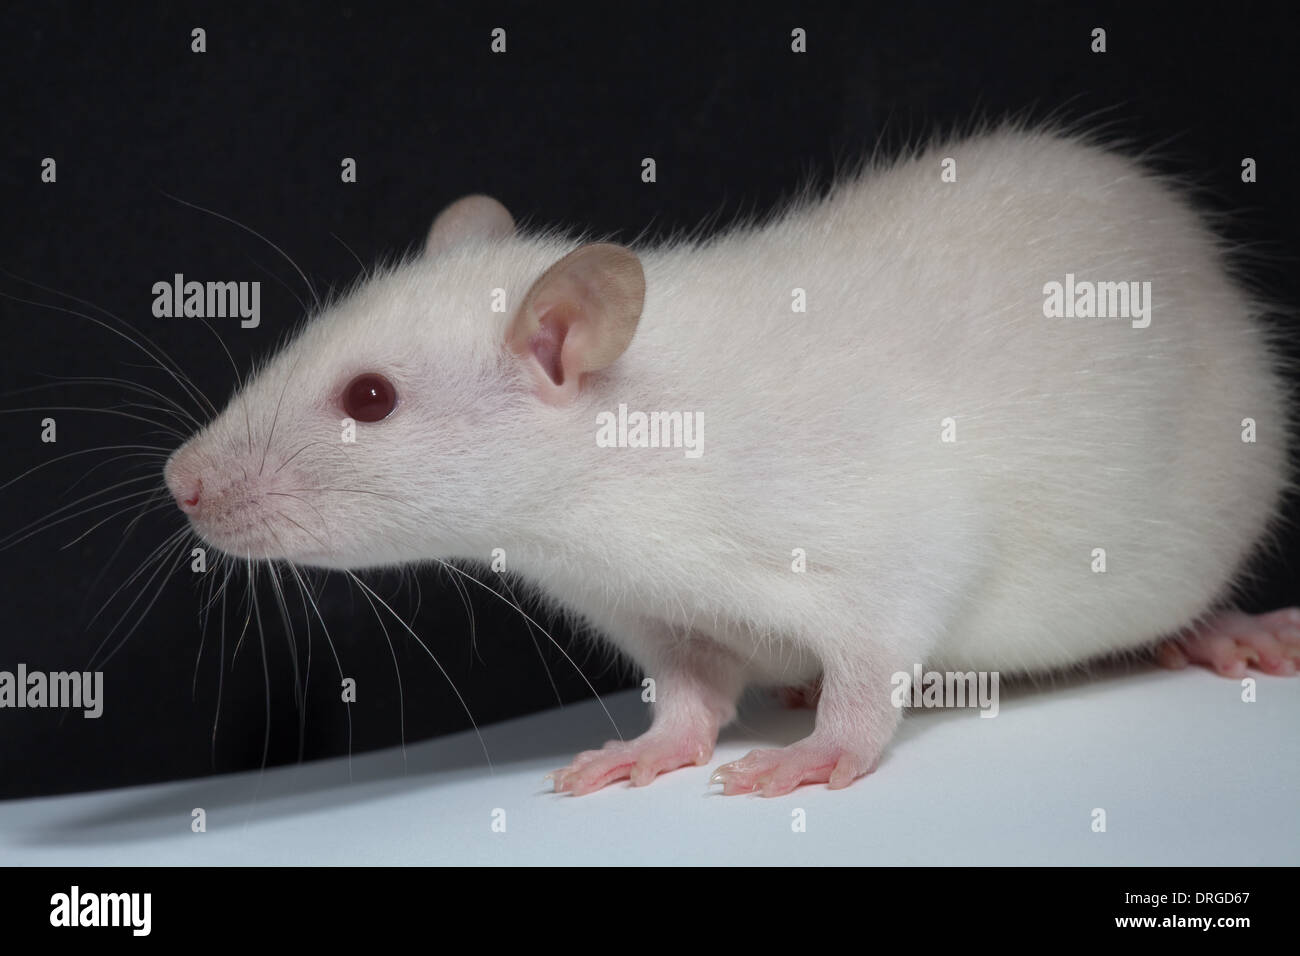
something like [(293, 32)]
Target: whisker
[(299, 694), (113, 516), (285, 494), (172, 368), (121, 543), (429, 516), (178, 416), (365, 274), (164, 545), (221, 664), (513, 604), (249, 586), (239, 381), (271, 432), (266, 679), (73, 454), (303, 449), (123, 383), (401, 693), (156, 462), (306, 677), (302, 275), (559, 699), (468, 605), (334, 652), (204, 607), (303, 308), (435, 660), (90, 408), (36, 527), (144, 613), (221, 558), (599, 699)]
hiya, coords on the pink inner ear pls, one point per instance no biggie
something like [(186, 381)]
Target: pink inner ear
[(547, 344)]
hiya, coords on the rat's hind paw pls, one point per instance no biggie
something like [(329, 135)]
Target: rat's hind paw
[(1231, 641), (639, 760), (773, 773)]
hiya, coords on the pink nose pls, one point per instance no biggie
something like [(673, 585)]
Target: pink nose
[(188, 498), (184, 484)]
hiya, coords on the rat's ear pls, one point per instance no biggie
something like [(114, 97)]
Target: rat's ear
[(466, 218), (578, 317)]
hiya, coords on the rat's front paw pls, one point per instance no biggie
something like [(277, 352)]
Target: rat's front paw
[(639, 760), (772, 773)]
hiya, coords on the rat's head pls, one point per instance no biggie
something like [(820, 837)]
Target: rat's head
[(404, 422)]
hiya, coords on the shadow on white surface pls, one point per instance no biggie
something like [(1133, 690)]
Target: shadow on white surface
[(1178, 751)]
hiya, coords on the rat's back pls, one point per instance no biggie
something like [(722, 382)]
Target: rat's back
[(1028, 387)]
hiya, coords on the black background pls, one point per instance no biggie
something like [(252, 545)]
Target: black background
[(255, 129)]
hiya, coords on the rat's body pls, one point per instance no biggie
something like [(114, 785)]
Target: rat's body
[(918, 469)]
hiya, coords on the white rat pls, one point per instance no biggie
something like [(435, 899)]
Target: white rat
[(925, 464)]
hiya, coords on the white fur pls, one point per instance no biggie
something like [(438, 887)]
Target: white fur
[(822, 430)]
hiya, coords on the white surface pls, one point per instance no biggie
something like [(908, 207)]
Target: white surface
[(1187, 774)]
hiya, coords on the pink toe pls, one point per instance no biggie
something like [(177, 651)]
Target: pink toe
[(1277, 665), (1232, 642), (846, 771), (775, 773)]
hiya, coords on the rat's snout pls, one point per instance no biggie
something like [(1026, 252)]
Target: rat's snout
[(181, 474), (231, 506)]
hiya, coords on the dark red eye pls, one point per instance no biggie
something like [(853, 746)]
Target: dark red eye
[(369, 398)]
